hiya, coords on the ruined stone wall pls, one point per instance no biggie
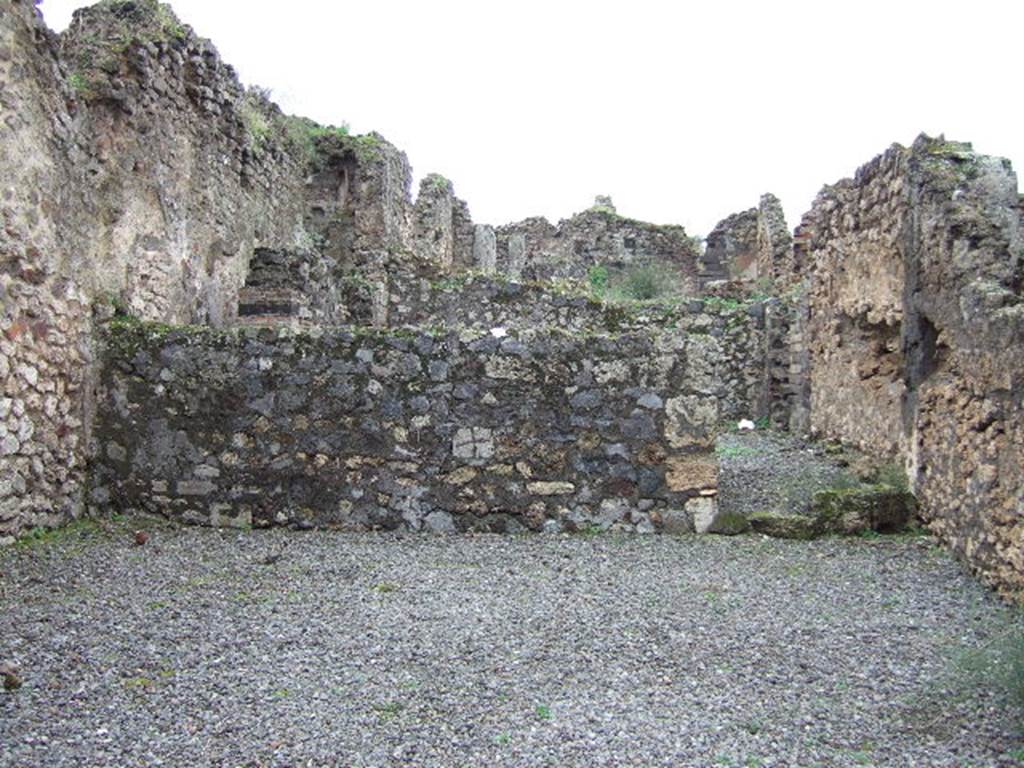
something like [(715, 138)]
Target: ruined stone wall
[(750, 246), (187, 173), (747, 337), (774, 242), (442, 229), (730, 252), (916, 328), (139, 178), (964, 343), (464, 431), (857, 249), (537, 250), (45, 321)]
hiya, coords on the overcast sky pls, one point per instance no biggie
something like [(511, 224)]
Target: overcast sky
[(683, 112)]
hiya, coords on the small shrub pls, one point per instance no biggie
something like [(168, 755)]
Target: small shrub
[(257, 124), (322, 131), (169, 24), (438, 182), (598, 279), (643, 284)]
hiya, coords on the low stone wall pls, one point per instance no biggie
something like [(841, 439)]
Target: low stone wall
[(539, 431)]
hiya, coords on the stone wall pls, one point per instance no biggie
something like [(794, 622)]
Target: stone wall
[(140, 178), (535, 249), (443, 231), (186, 172), (751, 246), (917, 326), (45, 321), (754, 366), (377, 429), (857, 250)]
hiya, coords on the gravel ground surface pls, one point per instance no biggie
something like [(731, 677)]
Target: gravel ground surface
[(207, 648), (765, 471)]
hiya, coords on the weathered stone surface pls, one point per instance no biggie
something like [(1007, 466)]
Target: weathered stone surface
[(865, 508), (697, 472), (536, 249), (915, 336), (782, 526), (702, 510), (485, 248), (728, 524), (752, 246), (348, 429)]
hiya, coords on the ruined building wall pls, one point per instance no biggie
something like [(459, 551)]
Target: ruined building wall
[(916, 328), (856, 306), (442, 229), (45, 320), (537, 250), (186, 172), (378, 429), (964, 340), (139, 177), (747, 340), (750, 246)]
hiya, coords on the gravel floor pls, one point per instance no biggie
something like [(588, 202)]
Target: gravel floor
[(765, 471), (377, 650)]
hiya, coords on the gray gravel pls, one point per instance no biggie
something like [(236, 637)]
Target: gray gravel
[(764, 471), (376, 650)]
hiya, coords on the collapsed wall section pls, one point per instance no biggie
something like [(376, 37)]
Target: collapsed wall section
[(472, 431), (751, 246), (184, 173), (858, 248)]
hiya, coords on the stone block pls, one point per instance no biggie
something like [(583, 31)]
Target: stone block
[(702, 511), (881, 508), (676, 521), (781, 526), (551, 488), (692, 473)]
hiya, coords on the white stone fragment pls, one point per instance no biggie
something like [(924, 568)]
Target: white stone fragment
[(746, 425)]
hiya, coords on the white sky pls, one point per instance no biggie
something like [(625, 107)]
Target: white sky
[(684, 112)]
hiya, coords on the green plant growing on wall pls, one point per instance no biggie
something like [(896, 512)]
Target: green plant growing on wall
[(257, 124), (337, 131), (169, 24), (439, 182), (80, 84), (598, 279)]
